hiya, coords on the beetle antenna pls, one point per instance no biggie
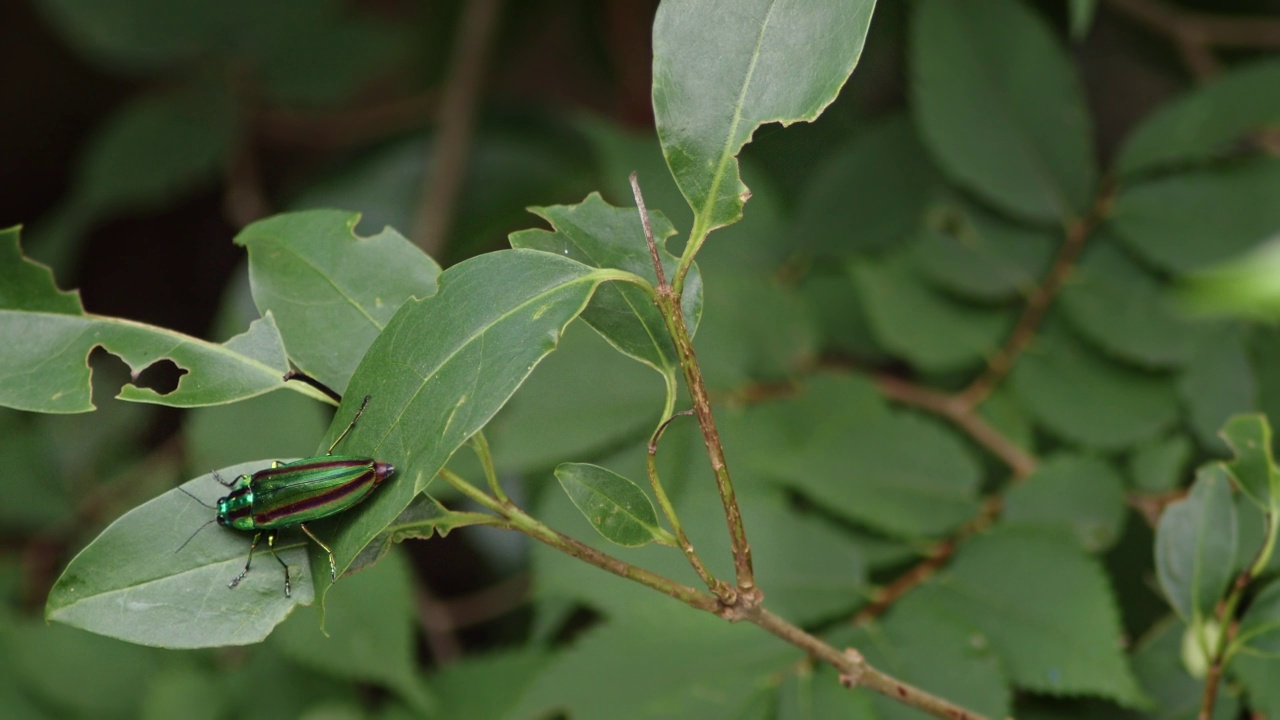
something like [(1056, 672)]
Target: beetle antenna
[(350, 425), (193, 497), (189, 538)]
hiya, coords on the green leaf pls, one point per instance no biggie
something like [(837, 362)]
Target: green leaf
[(330, 290), (444, 366), (145, 35), (1157, 662), (899, 472), (1251, 527), (155, 149), (1080, 495), (618, 151), (317, 53), (46, 336), (921, 643), (1081, 15), (1046, 608), (758, 331), (1217, 383), (75, 674), (294, 690), (719, 75), (811, 693), (599, 398), (1254, 468), (1006, 414), (930, 330), (979, 255), (1264, 353), (506, 172), (1125, 311), (1206, 121), (869, 194), (274, 425), (1158, 465), (1244, 286), (1085, 398), (1196, 546), (370, 632), (998, 103), (812, 568), (613, 504), (466, 688), (1259, 630), (693, 665), (131, 584), (1192, 220), (1258, 676), (599, 235), (185, 693), (832, 302)]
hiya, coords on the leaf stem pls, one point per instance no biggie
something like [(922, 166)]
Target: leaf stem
[(480, 445), (651, 465), (669, 304), (854, 670), (519, 520)]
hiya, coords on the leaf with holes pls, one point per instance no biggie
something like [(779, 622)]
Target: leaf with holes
[(330, 290), (46, 336)]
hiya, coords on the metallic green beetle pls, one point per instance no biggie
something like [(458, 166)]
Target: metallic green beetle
[(295, 493)]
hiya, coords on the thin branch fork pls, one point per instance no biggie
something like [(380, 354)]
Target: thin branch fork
[(669, 304)]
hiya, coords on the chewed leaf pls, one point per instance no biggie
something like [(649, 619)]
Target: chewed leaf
[(332, 291), (600, 235), (614, 505), (129, 583), (443, 368), (719, 75), (46, 336)]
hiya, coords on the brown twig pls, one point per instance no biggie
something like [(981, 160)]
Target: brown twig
[(1210, 697), (1038, 303), (937, 557), (1196, 34), (957, 410), (343, 128), (854, 669), (669, 304), (244, 197), (452, 143), (437, 624), (715, 585), (961, 408), (488, 603)]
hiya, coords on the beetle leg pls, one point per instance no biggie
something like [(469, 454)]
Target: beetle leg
[(271, 543), (236, 580), (218, 477), (333, 566)]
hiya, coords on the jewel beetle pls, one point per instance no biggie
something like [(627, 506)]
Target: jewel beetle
[(292, 494)]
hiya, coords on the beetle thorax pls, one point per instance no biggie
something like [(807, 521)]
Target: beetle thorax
[(236, 509)]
